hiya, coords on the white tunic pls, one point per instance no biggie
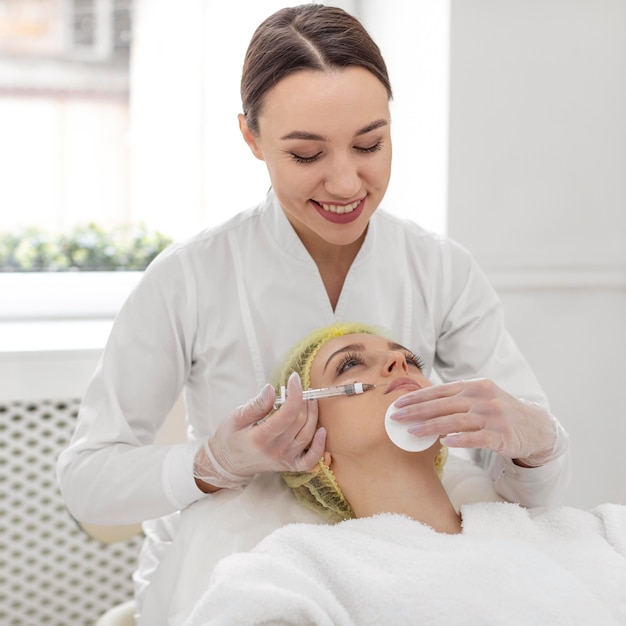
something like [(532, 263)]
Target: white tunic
[(214, 316)]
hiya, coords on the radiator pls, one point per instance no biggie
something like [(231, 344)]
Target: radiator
[(51, 572)]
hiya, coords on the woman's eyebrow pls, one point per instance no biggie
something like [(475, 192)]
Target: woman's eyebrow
[(308, 136), (397, 346), (372, 126), (303, 134), (353, 347)]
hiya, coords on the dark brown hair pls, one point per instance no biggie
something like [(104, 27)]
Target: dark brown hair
[(305, 37)]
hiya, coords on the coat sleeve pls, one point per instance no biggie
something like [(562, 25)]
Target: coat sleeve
[(474, 343), (111, 473)]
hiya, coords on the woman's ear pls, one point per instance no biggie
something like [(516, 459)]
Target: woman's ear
[(249, 137)]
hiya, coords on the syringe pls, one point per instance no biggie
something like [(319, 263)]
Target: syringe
[(326, 392)]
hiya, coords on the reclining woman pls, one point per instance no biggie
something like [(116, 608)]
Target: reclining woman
[(409, 556)]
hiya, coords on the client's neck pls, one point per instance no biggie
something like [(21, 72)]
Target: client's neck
[(408, 485)]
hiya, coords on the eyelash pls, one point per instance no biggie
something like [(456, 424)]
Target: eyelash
[(348, 358), (304, 160), (415, 359), (410, 357)]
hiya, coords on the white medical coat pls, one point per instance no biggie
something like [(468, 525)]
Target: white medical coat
[(213, 317)]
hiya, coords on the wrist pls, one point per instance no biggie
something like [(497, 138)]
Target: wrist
[(211, 474), (559, 446)]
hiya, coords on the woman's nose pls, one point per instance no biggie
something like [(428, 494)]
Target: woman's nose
[(396, 360), (342, 178)]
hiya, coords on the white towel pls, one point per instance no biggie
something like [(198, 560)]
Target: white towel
[(509, 566), (240, 521)]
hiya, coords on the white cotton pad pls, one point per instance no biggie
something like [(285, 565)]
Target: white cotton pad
[(398, 433)]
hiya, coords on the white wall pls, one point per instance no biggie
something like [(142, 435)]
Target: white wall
[(414, 40), (537, 191)]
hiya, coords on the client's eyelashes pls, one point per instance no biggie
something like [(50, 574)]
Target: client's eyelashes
[(349, 361), (352, 359), (414, 359)]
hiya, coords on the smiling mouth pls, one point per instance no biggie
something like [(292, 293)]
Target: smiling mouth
[(339, 208)]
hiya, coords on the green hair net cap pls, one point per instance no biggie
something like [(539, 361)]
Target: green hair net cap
[(318, 491)]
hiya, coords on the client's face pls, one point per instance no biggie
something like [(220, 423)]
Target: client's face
[(356, 423)]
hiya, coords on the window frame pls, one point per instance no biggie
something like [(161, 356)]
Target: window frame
[(31, 296)]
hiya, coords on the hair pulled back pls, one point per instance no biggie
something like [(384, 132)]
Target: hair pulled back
[(305, 37)]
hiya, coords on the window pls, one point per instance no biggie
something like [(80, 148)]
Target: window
[(64, 120), (99, 30), (64, 114)]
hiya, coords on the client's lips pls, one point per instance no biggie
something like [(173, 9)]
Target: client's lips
[(406, 384)]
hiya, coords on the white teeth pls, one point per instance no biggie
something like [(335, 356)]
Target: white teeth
[(347, 208)]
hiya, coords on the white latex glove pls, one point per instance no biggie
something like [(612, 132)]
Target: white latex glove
[(478, 414), (243, 445)]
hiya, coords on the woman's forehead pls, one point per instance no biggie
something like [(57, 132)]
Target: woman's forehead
[(312, 100)]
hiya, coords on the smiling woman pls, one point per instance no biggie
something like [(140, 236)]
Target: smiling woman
[(325, 138), (213, 314)]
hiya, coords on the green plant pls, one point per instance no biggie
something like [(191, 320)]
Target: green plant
[(87, 248)]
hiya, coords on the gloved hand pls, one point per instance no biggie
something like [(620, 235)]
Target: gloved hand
[(242, 446), (478, 414)]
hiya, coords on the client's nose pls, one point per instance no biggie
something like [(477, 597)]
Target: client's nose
[(396, 360)]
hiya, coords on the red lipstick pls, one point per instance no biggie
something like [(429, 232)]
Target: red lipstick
[(340, 218)]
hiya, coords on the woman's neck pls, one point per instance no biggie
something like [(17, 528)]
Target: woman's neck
[(333, 261), (406, 487)]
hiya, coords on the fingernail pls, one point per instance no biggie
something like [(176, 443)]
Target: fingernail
[(296, 376), (268, 393), (450, 440), (397, 415)]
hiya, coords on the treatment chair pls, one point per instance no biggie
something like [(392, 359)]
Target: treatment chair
[(121, 615)]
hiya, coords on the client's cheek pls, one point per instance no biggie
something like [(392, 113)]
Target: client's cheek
[(329, 411)]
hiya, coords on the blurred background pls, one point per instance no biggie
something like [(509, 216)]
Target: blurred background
[(118, 134), (120, 110)]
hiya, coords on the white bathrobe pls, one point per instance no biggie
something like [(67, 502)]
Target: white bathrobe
[(510, 565)]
